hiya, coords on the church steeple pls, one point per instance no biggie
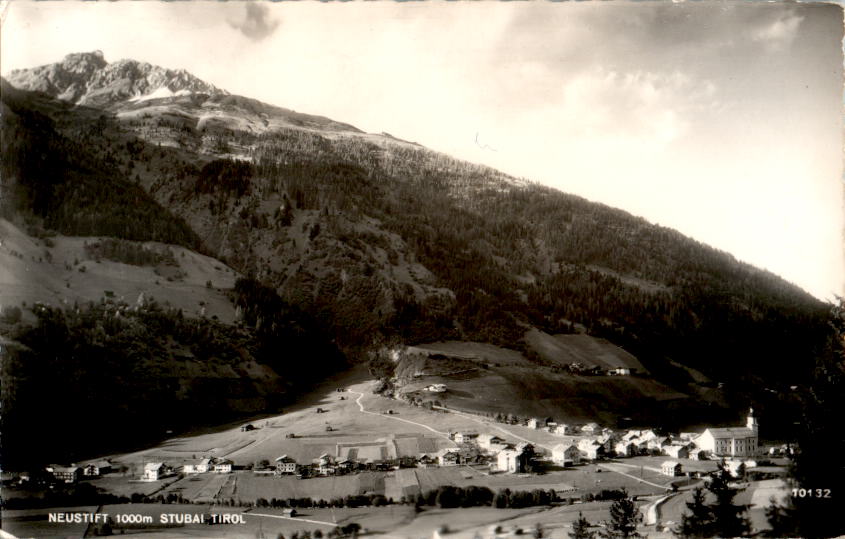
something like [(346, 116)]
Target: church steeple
[(751, 422)]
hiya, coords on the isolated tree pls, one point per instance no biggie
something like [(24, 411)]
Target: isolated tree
[(624, 518), (581, 529), (741, 471), (698, 522)]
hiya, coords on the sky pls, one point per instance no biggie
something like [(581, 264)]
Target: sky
[(721, 120)]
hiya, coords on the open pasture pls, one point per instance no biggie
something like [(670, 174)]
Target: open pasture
[(34, 522), (249, 487)]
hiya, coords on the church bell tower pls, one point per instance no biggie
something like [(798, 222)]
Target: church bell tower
[(751, 422)]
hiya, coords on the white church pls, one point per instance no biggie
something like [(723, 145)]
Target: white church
[(731, 441)]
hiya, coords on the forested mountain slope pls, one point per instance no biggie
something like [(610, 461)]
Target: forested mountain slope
[(382, 241)]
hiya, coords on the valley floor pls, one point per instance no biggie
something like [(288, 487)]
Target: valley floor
[(358, 417)]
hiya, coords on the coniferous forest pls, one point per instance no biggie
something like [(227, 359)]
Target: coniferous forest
[(346, 244)]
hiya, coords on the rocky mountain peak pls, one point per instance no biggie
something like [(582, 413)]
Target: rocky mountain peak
[(87, 78)]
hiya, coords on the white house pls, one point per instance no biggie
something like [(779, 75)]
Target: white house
[(626, 449), (631, 435), (566, 455), (697, 454), (325, 464), (689, 436), (731, 441), (153, 471), (647, 435), (678, 451), (285, 465), (223, 466), (489, 442), (671, 468), (513, 460), (608, 441), (196, 466), (590, 428), (591, 449), (465, 437), (561, 429), (733, 466), (449, 457), (659, 443)]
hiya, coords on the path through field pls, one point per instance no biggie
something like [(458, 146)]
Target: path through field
[(363, 410)]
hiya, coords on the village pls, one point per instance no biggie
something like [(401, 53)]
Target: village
[(580, 444), (356, 453)]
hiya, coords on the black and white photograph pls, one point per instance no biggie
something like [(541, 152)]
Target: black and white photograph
[(421, 270)]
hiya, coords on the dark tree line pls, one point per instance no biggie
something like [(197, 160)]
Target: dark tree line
[(107, 376)]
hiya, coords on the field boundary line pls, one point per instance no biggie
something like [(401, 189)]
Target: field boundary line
[(295, 519), (641, 480)]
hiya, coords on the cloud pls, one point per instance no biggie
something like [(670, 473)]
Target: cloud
[(258, 25), (642, 108), (778, 34)]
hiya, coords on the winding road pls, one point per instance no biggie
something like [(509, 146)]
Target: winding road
[(365, 411)]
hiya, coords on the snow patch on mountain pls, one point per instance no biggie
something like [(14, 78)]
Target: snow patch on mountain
[(88, 79)]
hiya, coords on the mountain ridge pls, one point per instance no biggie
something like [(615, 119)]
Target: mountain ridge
[(384, 241), (88, 79)]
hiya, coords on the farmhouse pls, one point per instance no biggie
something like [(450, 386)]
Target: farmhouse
[(196, 466), (678, 451), (591, 449), (590, 428), (731, 441), (566, 455), (325, 464), (626, 449), (697, 454), (285, 465), (223, 466), (65, 474), (659, 443), (344, 466), (490, 441), (426, 461), (153, 471), (647, 435), (671, 468), (535, 423), (561, 429), (465, 437), (733, 466), (689, 436), (514, 460), (449, 457), (96, 469), (608, 442)]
